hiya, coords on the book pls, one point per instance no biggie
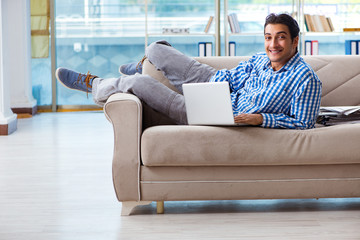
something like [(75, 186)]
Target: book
[(307, 47), (202, 49), (205, 49), (208, 25), (325, 23), (351, 29), (307, 27), (208, 49), (234, 23), (311, 47), (232, 49), (330, 24), (231, 24), (314, 47), (318, 25), (352, 47), (309, 23)]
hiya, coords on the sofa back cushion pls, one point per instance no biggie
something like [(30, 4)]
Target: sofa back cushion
[(340, 75)]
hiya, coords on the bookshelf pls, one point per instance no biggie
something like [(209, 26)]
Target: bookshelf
[(251, 19), (342, 15), (190, 31), (251, 16)]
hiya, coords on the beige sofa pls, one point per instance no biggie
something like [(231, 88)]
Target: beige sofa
[(155, 160)]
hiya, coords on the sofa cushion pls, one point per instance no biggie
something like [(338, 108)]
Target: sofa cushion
[(251, 146)]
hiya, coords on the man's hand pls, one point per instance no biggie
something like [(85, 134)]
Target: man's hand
[(252, 119)]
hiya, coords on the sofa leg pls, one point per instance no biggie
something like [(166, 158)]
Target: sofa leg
[(127, 207), (160, 207)]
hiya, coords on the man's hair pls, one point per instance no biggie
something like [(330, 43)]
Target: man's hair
[(285, 19)]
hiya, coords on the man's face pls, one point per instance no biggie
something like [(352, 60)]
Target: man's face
[(279, 46)]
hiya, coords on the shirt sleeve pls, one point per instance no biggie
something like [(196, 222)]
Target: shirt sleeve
[(305, 107), (236, 76)]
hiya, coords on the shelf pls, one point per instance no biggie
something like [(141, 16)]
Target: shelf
[(181, 35), (250, 39), (188, 36), (331, 33), (247, 34)]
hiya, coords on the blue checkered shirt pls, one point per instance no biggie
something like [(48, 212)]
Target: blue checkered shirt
[(287, 98)]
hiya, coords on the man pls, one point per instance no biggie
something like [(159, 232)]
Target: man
[(276, 90)]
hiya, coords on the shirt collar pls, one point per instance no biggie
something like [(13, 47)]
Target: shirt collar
[(288, 66)]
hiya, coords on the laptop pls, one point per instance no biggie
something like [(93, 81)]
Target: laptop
[(208, 103)]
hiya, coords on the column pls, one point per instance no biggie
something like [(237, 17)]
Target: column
[(18, 17), (8, 120)]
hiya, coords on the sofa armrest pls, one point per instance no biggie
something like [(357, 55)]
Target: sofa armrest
[(124, 111)]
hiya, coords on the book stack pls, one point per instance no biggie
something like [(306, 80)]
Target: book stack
[(234, 23), (352, 47), (318, 23), (311, 47), (205, 49)]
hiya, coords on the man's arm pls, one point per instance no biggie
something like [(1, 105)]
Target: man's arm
[(236, 76), (304, 108)]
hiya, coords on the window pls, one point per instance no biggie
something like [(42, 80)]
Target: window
[(97, 36), (101, 35), (251, 16)]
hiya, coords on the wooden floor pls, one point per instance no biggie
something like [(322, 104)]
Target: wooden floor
[(55, 183)]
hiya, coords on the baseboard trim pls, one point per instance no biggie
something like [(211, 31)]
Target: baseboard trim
[(32, 111), (69, 108), (7, 129)]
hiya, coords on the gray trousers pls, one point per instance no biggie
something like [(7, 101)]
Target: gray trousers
[(176, 66)]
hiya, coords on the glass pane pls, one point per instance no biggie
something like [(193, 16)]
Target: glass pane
[(251, 15), (182, 23), (343, 14), (180, 14), (41, 80), (97, 36)]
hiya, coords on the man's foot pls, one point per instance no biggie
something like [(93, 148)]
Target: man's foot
[(75, 80), (131, 68)]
